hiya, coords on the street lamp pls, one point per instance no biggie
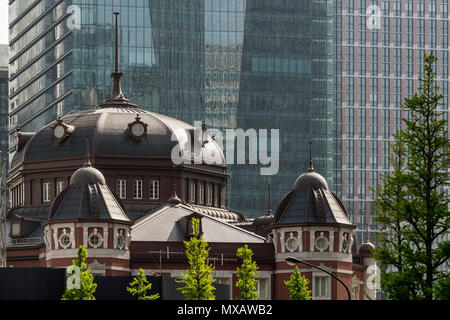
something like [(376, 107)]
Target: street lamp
[(293, 261)]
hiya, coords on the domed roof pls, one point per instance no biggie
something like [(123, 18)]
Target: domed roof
[(311, 202), (118, 128), (87, 197), (310, 180), (366, 248), (87, 175), (109, 135)]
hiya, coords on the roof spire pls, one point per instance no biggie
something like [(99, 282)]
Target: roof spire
[(88, 157), (311, 169), (116, 75), (269, 210), (116, 97)]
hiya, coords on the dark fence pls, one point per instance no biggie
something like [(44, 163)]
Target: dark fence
[(49, 284), (32, 283)]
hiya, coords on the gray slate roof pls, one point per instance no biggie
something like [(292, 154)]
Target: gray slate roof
[(88, 201), (107, 129)]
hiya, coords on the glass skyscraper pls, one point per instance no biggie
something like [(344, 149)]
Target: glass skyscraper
[(4, 100), (248, 64), (380, 47)]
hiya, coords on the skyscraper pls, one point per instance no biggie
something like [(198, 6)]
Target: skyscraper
[(245, 64), (380, 47), (4, 100)]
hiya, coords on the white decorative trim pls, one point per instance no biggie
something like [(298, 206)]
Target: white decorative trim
[(95, 233), (300, 240), (105, 237), (72, 235), (55, 238), (60, 239), (292, 240), (316, 256), (331, 245), (93, 253), (326, 242), (282, 271), (282, 242)]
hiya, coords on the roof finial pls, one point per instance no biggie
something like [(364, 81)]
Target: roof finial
[(116, 75), (88, 157), (116, 98), (311, 169)]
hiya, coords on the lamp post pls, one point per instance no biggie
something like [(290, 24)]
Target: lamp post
[(294, 261)]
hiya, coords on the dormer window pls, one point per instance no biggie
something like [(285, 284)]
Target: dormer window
[(16, 229), (137, 129), (61, 130)]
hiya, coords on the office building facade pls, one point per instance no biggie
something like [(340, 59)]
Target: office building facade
[(4, 100), (380, 47), (234, 64)]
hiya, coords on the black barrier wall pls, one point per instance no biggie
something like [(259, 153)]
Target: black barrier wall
[(32, 283), (49, 284)]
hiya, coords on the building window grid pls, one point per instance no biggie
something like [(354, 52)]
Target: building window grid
[(59, 186), (137, 189), (46, 192), (154, 189), (121, 188)]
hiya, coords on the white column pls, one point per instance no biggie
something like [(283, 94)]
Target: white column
[(300, 240), (282, 242), (105, 237), (85, 236), (55, 238), (72, 236), (331, 233), (311, 239)]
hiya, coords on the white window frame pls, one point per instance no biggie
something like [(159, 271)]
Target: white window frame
[(209, 195), (192, 192), (201, 193), (323, 277), (154, 189), (46, 192), (262, 295), (121, 188), (137, 189), (59, 186)]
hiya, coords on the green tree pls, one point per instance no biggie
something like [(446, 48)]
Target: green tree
[(298, 286), (412, 205), (198, 278), (246, 275), (140, 285), (80, 282)]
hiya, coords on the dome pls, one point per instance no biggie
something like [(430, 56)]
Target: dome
[(87, 175), (366, 248), (311, 202), (263, 220), (310, 180), (110, 136), (87, 197)]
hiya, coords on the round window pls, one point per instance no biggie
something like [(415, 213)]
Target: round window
[(321, 243), (65, 240), (292, 244), (95, 240)]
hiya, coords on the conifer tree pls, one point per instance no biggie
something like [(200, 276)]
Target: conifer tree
[(140, 285), (412, 206)]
